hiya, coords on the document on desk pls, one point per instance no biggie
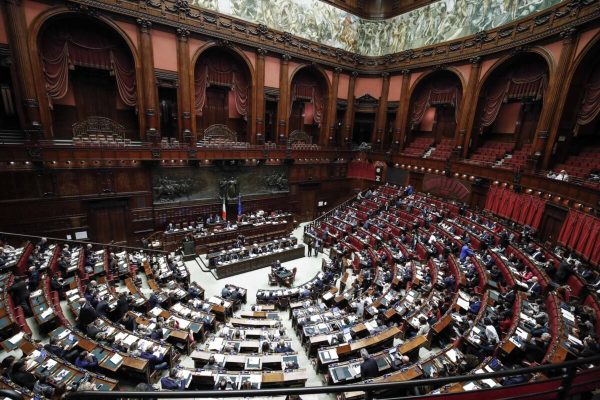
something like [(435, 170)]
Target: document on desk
[(216, 344), (575, 340), (116, 359), (46, 313), (63, 334), (452, 355), (17, 338), (470, 386), (156, 311), (490, 382), (130, 339)]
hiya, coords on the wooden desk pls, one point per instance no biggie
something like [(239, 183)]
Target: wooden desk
[(412, 344), (268, 323), (369, 342), (412, 372), (260, 261), (259, 314)]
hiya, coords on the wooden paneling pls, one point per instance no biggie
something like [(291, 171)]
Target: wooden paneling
[(108, 220), (552, 221)]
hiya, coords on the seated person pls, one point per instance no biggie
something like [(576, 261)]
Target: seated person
[(86, 360), (59, 350), (211, 365), (282, 347), (21, 376), (172, 382), (368, 368), (156, 362), (223, 384), (42, 387)]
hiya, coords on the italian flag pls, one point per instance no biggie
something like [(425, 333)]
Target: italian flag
[(224, 210)]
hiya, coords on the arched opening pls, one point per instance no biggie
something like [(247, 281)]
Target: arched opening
[(9, 120), (508, 111), (577, 147), (223, 86), (308, 108), (433, 115), (90, 80)]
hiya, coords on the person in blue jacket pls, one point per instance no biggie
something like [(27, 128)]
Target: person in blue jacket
[(172, 382), (465, 252), (86, 360)]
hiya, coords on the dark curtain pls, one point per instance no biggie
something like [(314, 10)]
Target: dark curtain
[(525, 82), (579, 225), (444, 93), (306, 87), (76, 44), (221, 69), (567, 227), (590, 105), (581, 234), (520, 208)]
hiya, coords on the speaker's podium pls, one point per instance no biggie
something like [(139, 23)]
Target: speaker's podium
[(189, 250)]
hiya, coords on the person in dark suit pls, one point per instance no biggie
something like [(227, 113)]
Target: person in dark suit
[(128, 321), (21, 377), (20, 293), (55, 347), (102, 307), (122, 307), (535, 350), (368, 368), (283, 348), (87, 314), (34, 278), (538, 255), (157, 363), (564, 271)]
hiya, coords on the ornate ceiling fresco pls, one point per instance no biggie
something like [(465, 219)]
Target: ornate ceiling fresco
[(321, 22)]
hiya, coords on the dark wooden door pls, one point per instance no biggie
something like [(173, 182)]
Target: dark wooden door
[(108, 221), (446, 123), (552, 220), (216, 110)]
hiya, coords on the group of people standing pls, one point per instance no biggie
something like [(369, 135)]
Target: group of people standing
[(314, 246)]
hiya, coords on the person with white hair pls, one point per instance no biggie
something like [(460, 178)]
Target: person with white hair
[(400, 361)]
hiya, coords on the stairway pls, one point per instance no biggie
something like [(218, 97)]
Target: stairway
[(429, 151), (11, 137)]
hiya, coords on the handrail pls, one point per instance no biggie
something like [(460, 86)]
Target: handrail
[(82, 242), (11, 394), (328, 213), (565, 368)]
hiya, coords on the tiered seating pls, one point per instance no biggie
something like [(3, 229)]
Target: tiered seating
[(169, 143), (305, 146), (407, 281), (517, 159), (418, 147), (582, 165), (443, 150), (490, 152), (498, 284), (101, 140), (222, 143)]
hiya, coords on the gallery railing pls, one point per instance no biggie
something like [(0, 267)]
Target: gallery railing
[(559, 381)]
